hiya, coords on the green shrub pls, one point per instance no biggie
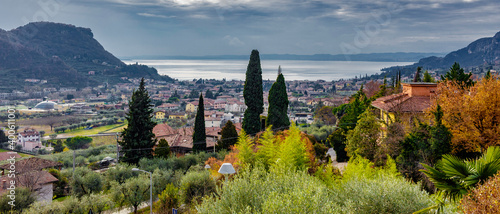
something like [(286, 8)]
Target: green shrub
[(168, 199), (133, 192), (98, 203), (280, 191), (161, 178), (120, 173), (195, 185), (365, 189), (86, 181), (23, 199)]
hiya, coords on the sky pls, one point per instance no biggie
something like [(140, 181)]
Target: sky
[(217, 27)]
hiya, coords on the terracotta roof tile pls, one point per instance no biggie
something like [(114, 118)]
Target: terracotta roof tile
[(403, 103), (35, 178), (6, 155)]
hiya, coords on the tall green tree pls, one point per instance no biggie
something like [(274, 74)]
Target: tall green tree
[(193, 94), (163, 149), (357, 106), (199, 135), (253, 94), (363, 139), (58, 146), (209, 94), (417, 77), (458, 75), (440, 135), (337, 141), (138, 138), (427, 77), (278, 105), (78, 142), (229, 136), (415, 149)]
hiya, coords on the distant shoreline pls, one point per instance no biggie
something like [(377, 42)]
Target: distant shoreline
[(371, 57), (185, 69)]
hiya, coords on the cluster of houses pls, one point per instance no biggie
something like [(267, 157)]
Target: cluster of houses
[(180, 140)]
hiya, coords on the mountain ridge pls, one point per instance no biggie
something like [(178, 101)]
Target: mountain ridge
[(483, 52), (63, 55)]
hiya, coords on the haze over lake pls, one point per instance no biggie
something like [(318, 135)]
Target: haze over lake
[(292, 69)]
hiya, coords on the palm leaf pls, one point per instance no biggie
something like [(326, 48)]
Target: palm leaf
[(492, 154), (451, 187), (454, 167)]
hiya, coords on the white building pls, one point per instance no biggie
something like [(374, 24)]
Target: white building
[(29, 139), (235, 107), (212, 122)]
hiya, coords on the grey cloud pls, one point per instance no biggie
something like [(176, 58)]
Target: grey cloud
[(171, 27)]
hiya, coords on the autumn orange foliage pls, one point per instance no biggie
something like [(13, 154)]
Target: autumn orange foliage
[(473, 115), (215, 163)]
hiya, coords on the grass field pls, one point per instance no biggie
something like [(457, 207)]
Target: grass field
[(97, 130), (103, 140), (2, 108), (117, 129)]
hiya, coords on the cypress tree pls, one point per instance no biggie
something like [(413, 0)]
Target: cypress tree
[(253, 94), (417, 75), (138, 138), (278, 105), (229, 136), (199, 135)]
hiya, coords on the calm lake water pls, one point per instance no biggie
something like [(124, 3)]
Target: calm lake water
[(292, 69)]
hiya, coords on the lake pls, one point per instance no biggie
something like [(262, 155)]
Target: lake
[(291, 69)]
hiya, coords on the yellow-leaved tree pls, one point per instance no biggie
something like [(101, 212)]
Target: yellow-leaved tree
[(267, 152), (290, 149), (472, 114), (245, 146), (293, 151)]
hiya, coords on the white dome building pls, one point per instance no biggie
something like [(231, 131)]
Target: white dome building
[(46, 105)]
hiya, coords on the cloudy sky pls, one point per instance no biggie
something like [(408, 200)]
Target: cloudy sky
[(214, 27)]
